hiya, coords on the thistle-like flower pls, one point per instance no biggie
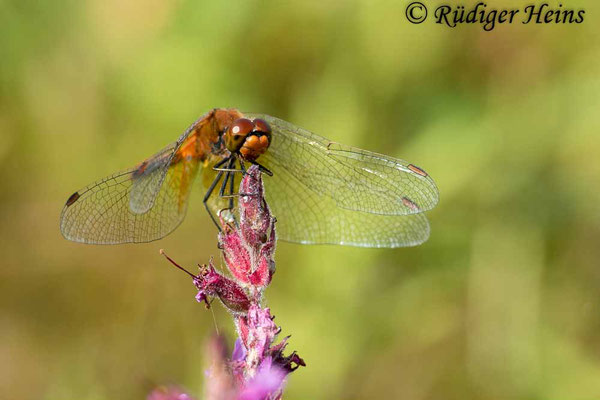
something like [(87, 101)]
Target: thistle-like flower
[(257, 368)]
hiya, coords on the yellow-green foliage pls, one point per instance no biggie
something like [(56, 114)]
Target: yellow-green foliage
[(501, 302)]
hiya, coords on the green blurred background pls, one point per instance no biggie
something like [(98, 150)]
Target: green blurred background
[(501, 303)]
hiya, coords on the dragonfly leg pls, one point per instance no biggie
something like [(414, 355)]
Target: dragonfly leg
[(207, 196), (262, 168), (223, 161), (230, 166), (229, 172), (231, 186), (232, 193), (224, 183), (229, 177)]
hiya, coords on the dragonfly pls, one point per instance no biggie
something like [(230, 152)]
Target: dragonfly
[(321, 192)]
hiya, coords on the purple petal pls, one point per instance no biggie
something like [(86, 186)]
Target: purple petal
[(239, 352)]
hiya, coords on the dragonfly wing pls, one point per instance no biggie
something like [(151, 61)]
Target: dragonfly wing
[(306, 216), (141, 204), (102, 213), (147, 180), (354, 179), (324, 192)]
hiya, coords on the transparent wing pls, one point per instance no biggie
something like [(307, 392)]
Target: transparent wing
[(147, 179), (102, 212), (141, 204), (305, 216), (355, 179), (324, 192)]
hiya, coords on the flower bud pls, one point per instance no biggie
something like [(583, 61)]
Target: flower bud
[(255, 216), (236, 255), (210, 283), (248, 249)]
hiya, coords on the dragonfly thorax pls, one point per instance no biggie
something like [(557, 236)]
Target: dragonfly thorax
[(248, 138)]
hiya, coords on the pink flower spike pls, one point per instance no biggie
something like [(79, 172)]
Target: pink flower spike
[(257, 368)]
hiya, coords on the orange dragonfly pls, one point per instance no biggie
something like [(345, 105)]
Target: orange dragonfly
[(321, 192)]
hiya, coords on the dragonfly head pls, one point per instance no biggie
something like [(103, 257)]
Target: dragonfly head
[(248, 138)]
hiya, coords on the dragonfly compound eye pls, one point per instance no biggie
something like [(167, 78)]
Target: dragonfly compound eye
[(258, 141), (236, 134), (260, 125)]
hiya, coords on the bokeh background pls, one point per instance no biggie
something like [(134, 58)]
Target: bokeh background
[(501, 303)]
